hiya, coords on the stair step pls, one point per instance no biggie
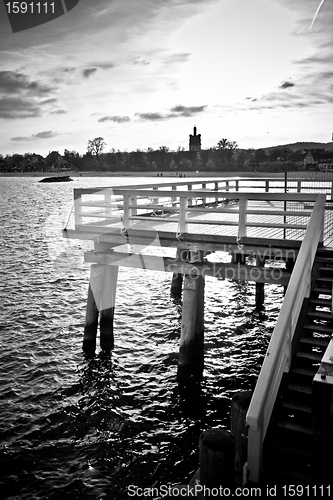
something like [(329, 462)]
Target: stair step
[(313, 327), (315, 341), (291, 405), (302, 429), (326, 268), (304, 371), (324, 279), (323, 290), (301, 388), (314, 357), (320, 315), (322, 302)]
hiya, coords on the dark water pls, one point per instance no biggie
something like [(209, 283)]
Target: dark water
[(87, 429)]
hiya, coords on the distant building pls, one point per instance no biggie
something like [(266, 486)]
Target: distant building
[(195, 141)]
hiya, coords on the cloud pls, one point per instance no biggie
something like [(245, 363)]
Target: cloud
[(286, 85), (175, 112), (116, 119), (40, 135), (58, 112), (17, 107), (151, 116), (138, 61), (13, 82), (177, 58), (88, 72), (188, 110), (105, 65), (46, 135), (52, 100), (22, 97)]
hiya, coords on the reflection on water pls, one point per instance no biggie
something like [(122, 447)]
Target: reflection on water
[(82, 428)]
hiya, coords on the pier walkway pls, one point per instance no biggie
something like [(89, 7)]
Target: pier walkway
[(179, 226)]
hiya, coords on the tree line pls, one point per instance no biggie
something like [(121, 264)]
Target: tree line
[(226, 156)]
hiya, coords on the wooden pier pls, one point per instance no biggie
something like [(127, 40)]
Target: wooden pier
[(182, 228)]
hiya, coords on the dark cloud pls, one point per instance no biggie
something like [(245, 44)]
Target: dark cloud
[(175, 112), (17, 107), (58, 112), (52, 100), (46, 135), (22, 97), (88, 72), (286, 85), (116, 119), (40, 135), (188, 110), (12, 82), (151, 116)]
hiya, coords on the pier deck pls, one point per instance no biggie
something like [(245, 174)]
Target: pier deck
[(195, 223)]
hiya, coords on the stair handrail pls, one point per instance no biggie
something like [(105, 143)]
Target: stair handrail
[(278, 355)]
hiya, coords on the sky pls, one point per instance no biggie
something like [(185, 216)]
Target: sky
[(143, 73)]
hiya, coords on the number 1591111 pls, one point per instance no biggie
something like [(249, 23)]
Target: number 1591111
[(32, 7)]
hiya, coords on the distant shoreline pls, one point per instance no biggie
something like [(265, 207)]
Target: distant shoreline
[(179, 175)]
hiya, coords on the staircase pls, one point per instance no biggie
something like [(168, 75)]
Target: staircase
[(291, 454)]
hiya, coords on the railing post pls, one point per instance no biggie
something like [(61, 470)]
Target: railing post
[(155, 200), (77, 209), (237, 185), (242, 217), (134, 202), (108, 201), (173, 198), (267, 186), (182, 215), (190, 201), (227, 185), (126, 203)]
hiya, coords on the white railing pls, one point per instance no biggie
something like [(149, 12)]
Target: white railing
[(112, 206), (278, 356)]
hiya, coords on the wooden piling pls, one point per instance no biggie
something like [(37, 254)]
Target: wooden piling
[(91, 322), (290, 263), (106, 306), (101, 299), (238, 258), (239, 405), (260, 287), (177, 278), (217, 459), (191, 348)]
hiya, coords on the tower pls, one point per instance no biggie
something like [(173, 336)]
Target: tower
[(195, 141)]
